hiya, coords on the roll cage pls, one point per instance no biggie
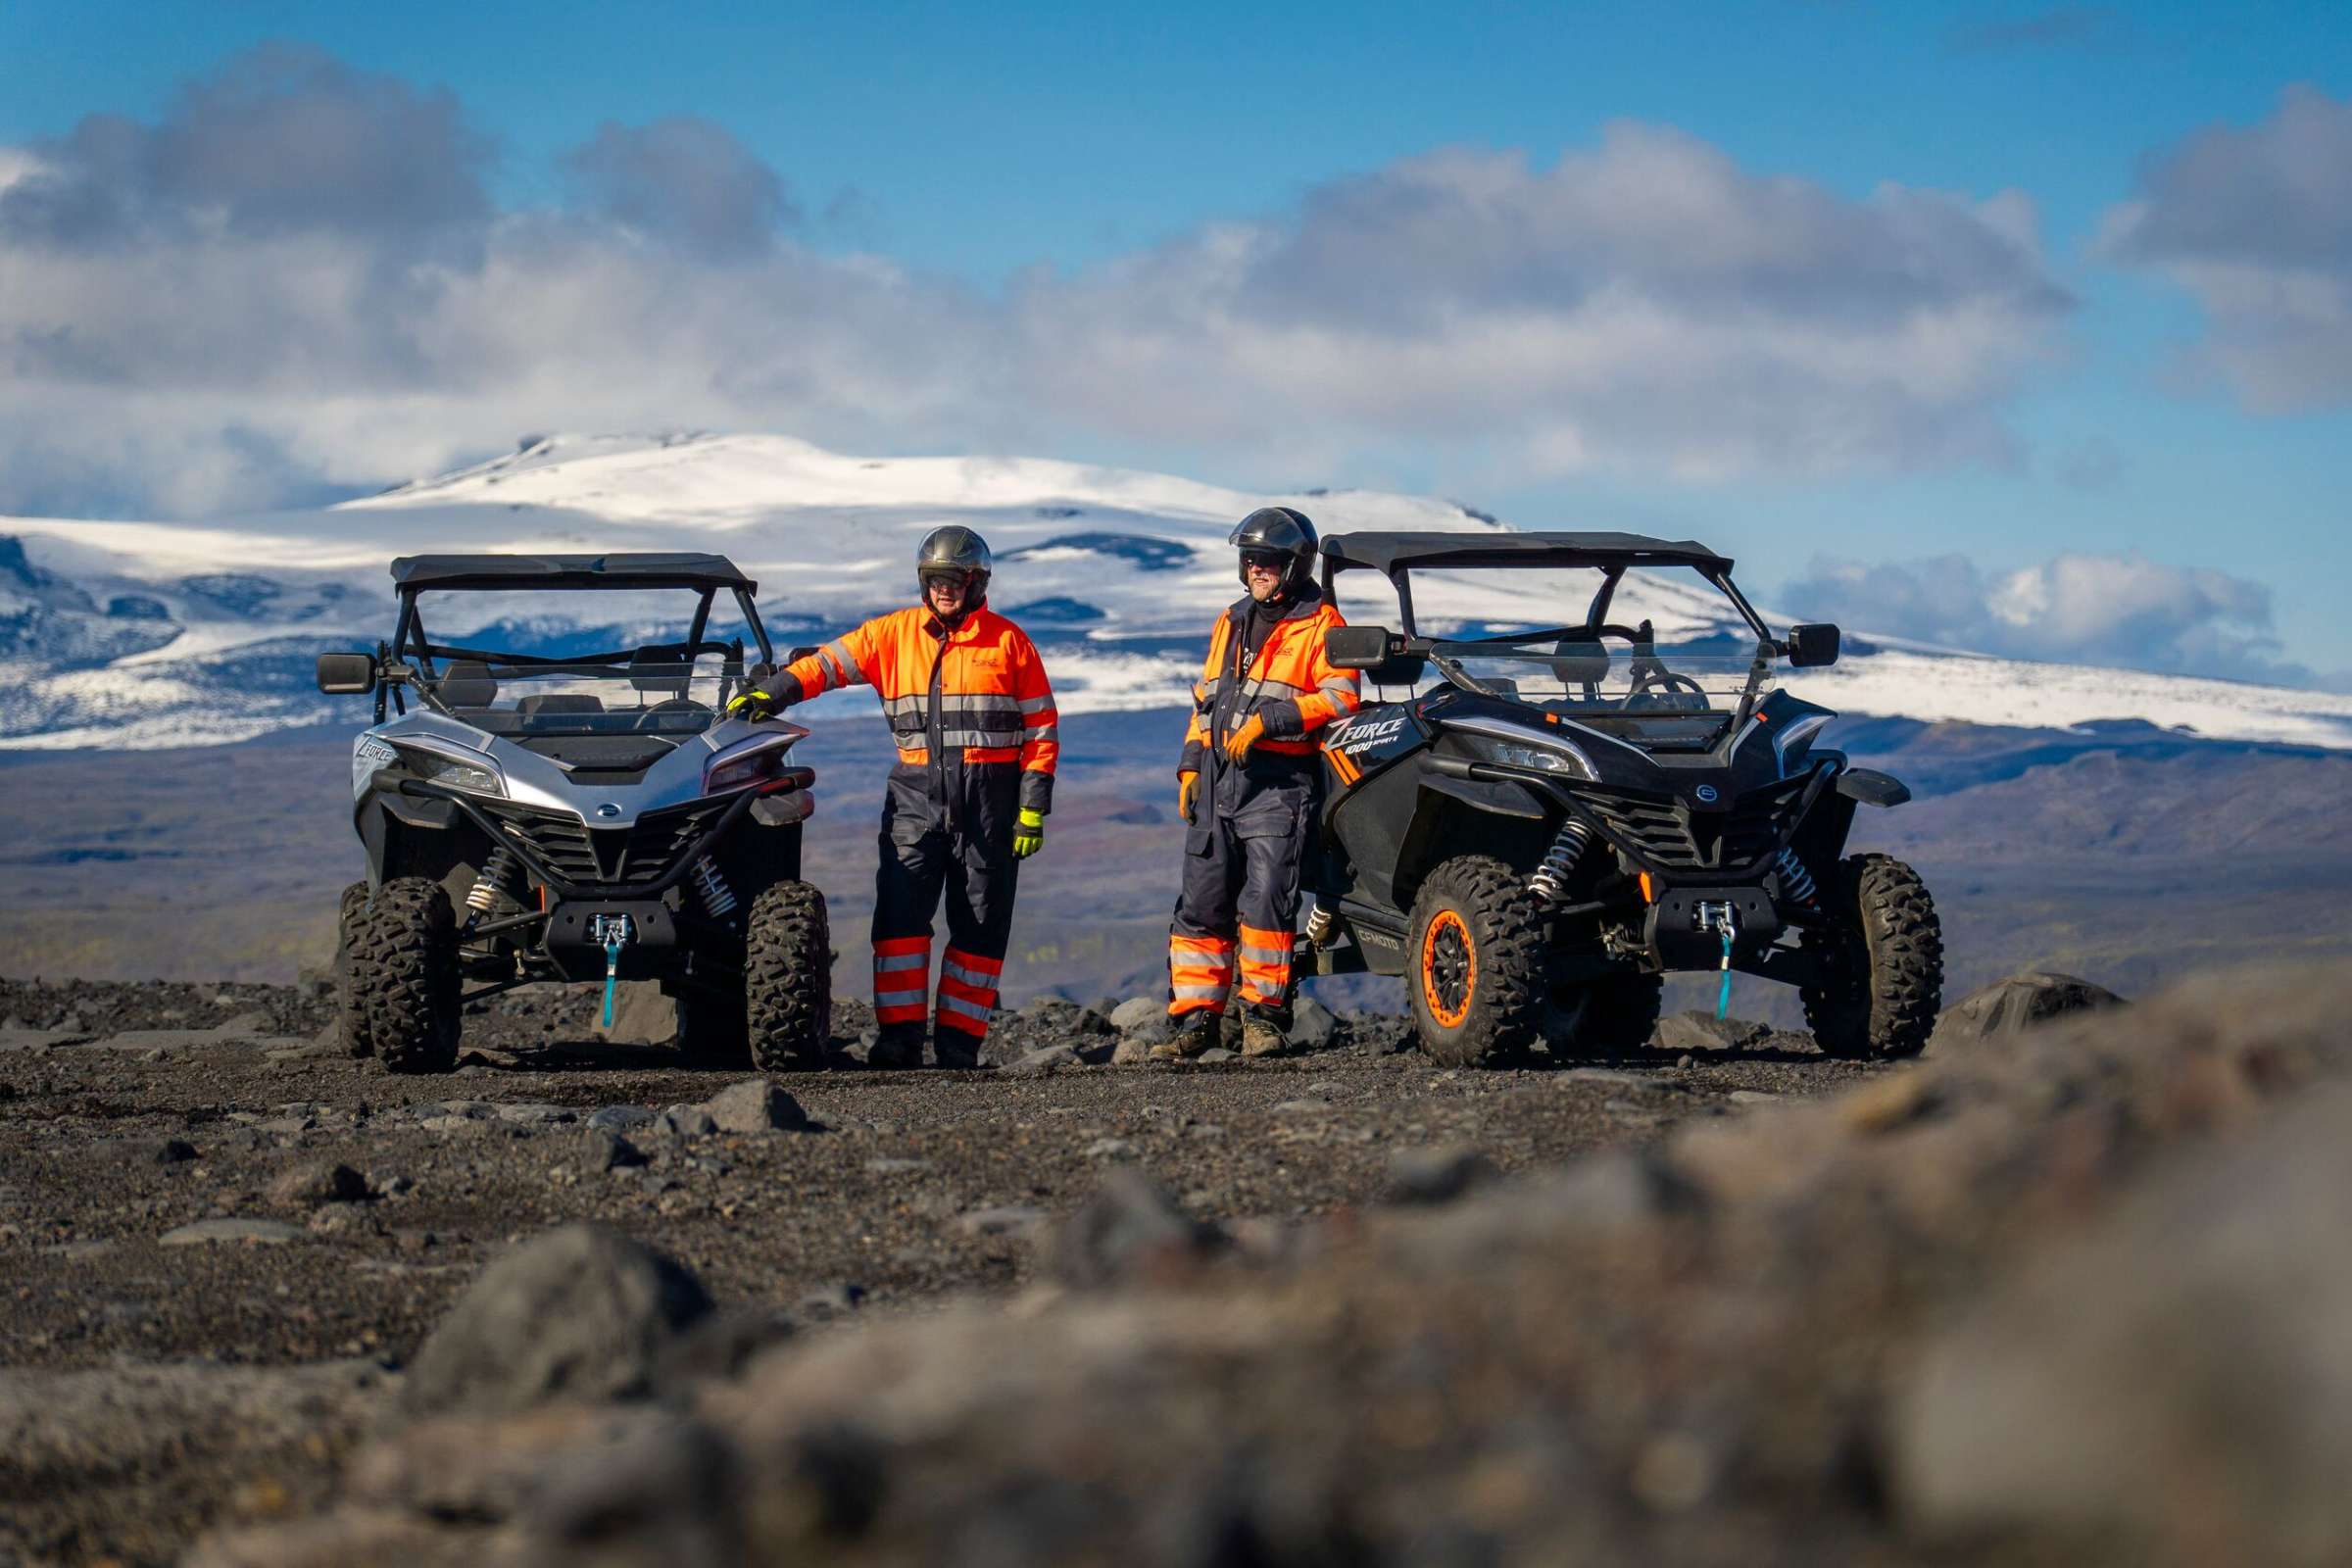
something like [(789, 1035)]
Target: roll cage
[(1396, 556), (706, 576)]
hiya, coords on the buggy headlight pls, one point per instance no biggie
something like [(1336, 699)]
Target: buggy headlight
[(747, 764), (1563, 761), (451, 772)]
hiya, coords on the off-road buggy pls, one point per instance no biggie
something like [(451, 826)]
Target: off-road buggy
[(589, 817), (1534, 827)]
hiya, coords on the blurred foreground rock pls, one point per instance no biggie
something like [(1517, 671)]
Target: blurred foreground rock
[(2072, 1294), (581, 1312), (2182, 1374)]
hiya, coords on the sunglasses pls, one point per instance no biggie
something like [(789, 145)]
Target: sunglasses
[(1270, 560), (952, 578)]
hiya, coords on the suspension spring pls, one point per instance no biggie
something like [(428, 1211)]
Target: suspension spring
[(717, 898), (1796, 883), (490, 888), (1551, 881)]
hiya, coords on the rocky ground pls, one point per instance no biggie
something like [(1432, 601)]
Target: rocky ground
[(2072, 1289), (223, 1242)]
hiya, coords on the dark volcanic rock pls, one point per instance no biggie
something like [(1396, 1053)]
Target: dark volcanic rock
[(601, 1151), (581, 1312), (1437, 1175), (1704, 1031), (1314, 1026), (2017, 1004), (316, 1182), (1130, 1228), (755, 1105)]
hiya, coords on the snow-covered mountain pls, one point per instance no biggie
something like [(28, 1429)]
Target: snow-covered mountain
[(141, 635)]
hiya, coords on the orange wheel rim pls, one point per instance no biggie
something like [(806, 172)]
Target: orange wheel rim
[(1448, 969)]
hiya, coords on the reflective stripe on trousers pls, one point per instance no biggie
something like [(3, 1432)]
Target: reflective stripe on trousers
[(1200, 973), (1266, 965), (967, 990), (902, 979)]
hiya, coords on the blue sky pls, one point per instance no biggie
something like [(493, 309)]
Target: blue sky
[(1076, 166)]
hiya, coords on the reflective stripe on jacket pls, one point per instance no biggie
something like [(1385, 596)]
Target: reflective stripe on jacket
[(978, 692), (1290, 683)]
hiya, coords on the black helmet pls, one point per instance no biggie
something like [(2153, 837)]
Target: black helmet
[(960, 551), (1277, 530)]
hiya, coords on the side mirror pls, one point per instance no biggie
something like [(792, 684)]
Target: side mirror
[(1356, 647), (793, 656), (347, 675), (1814, 646)]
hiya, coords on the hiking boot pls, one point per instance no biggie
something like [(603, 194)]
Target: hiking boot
[(1198, 1033), (1261, 1037), (897, 1046), (955, 1053)]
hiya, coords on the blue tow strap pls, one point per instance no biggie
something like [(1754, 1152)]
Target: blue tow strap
[(612, 976), (1723, 999)]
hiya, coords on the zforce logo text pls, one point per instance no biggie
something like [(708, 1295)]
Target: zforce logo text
[(1358, 737)]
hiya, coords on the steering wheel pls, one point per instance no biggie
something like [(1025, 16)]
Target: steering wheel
[(650, 718)]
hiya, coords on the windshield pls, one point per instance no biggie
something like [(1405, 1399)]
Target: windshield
[(650, 691), (1672, 696), (1575, 674), (529, 663)]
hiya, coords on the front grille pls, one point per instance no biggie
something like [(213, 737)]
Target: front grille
[(1668, 836), (621, 859)]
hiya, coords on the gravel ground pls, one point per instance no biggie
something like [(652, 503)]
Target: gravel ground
[(130, 1114)]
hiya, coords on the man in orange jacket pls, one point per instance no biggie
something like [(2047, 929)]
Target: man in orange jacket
[(968, 703), (1264, 692)]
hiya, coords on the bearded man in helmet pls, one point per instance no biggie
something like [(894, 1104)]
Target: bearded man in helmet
[(969, 706), (1248, 787)]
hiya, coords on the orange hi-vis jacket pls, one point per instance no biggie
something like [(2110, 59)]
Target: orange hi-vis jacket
[(976, 694), (1291, 684)]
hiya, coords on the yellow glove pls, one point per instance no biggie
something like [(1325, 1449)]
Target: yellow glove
[(1029, 836), (1238, 744), (752, 706), (1188, 785)]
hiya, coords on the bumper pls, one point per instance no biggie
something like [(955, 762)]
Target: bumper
[(1683, 929)]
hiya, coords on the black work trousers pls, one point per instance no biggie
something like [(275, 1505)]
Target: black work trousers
[(965, 854)]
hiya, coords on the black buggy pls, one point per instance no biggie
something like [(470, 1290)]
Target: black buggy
[(587, 815), (1534, 827)]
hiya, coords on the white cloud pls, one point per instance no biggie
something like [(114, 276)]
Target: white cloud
[(294, 279), (2119, 610), (2257, 223)]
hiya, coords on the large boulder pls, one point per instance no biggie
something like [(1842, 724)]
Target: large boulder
[(755, 1106), (641, 1015), (1314, 1026), (2012, 1005), (581, 1312)]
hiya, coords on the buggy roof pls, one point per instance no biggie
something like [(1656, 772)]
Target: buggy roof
[(1390, 552), (665, 568)]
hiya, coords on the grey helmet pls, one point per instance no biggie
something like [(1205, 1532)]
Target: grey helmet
[(957, 550), (1281, 530)]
